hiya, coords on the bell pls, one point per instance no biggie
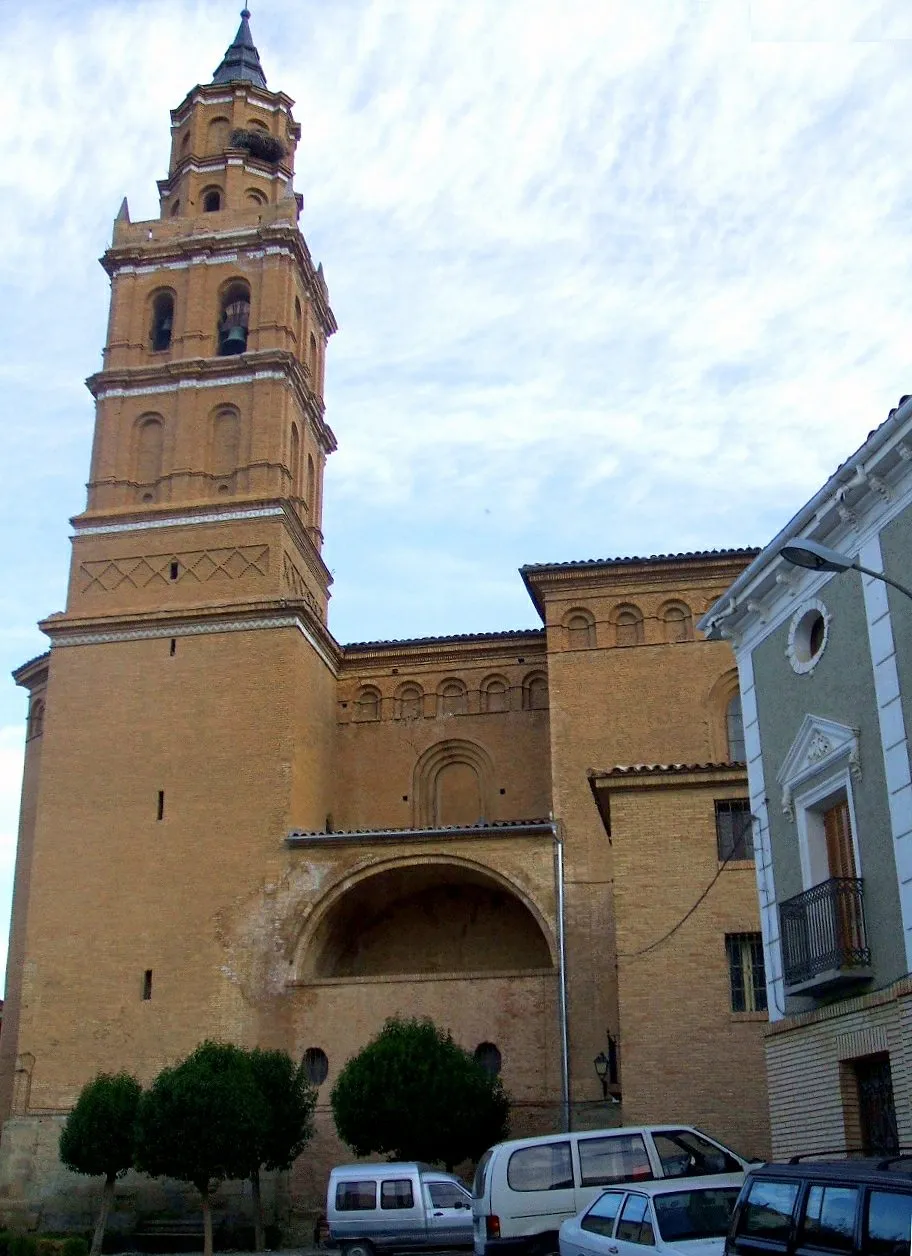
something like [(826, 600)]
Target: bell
[(234, 340)]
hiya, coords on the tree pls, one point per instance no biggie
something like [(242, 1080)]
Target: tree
[(412, 1093), (98, 1136), (289, 1101), (200, 1121)]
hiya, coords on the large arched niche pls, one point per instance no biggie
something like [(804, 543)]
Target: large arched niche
[(421, 917), (453, 784)]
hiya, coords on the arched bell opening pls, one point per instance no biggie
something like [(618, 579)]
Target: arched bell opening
[(423, 919), (234, 319), (162, 322)]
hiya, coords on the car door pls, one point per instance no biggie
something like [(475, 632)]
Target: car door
[(765, 1218), (634, 1232), (449, 1214), (592, 1234)]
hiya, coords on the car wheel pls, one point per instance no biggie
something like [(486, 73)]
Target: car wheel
[(360, 1248)]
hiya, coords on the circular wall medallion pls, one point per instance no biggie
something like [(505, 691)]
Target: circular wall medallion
[(809, 632)]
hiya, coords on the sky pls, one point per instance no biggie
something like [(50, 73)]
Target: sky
[(612, 277)]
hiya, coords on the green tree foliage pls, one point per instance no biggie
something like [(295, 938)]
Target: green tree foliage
[(288, 1104), (98, 1136), (202, 1122), (413, 1094)]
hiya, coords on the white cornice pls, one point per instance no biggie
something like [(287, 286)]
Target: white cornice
[(218, 381), (198, 628), (177, 521)]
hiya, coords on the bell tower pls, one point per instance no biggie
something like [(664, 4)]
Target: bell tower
[(210, 400), (187, 703)]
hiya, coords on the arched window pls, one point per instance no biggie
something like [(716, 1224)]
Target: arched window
[(149, 448), (734, 728), (257, 124), (367, 704), (488, 1056), (677, 622), (409, 702), (298, 324), (628, 625), (226, 441), (234, 319), (175, 209), (452, 698), (316, 1065), (217, 137), (312, 360), (535, 692), (295, 461), (580, 625), (185, 144), (36, 719), (162, 322), (255, 196), (311, 485), (212, 200)]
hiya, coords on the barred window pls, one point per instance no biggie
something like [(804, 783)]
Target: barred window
[(746, 972), (734, 831)]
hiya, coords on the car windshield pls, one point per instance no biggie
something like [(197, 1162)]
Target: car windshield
[(697, 1214)]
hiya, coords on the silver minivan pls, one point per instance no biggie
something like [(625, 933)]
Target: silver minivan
[(396, 1206)]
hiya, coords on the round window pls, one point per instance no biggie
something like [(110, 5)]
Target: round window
[(808, 636), (316, 1065)]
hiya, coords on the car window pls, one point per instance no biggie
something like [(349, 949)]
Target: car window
[(767, 1212), (829, 1218), (600, 1217), (356, 1196), (703, 1213), (543, 1167), (634, 1225), (684, 1153), (397, 1193), (618, 1158), (447, 1195), (889, 1224), (478, 1184)]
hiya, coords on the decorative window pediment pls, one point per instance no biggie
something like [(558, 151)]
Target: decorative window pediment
[(821, 748)]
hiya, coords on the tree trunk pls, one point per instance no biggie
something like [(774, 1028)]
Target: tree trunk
[(207, 1222), (259, 1237), (107, 1197)]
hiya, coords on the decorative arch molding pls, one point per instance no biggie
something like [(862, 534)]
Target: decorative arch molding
[(717, 702), (627, 621), (821, 749), (535, 691), (495, 691), (676, 618), (430, 769), (307, 937), (579, 629)]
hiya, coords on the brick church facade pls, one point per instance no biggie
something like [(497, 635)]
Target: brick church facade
[(235, 827)]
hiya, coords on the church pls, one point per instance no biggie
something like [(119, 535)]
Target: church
[(235, 827)]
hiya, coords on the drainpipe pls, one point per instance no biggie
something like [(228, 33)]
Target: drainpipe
[(562, 975)]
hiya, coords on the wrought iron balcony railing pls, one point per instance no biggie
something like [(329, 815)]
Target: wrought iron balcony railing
[(823, 935)]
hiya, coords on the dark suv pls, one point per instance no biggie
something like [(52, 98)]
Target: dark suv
[(859, 1207)]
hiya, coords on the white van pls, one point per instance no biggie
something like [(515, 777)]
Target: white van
[(525, 1188), (396, 1206)]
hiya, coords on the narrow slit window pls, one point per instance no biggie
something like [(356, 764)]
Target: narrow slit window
[(147, 985), (175, 569), (173, 646), (161, 805)]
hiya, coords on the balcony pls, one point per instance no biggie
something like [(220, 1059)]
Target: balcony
[(824, 942)]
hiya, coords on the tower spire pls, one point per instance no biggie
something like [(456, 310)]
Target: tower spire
[(241, 61)]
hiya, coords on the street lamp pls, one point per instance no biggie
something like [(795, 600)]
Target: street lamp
[(818, 557)]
